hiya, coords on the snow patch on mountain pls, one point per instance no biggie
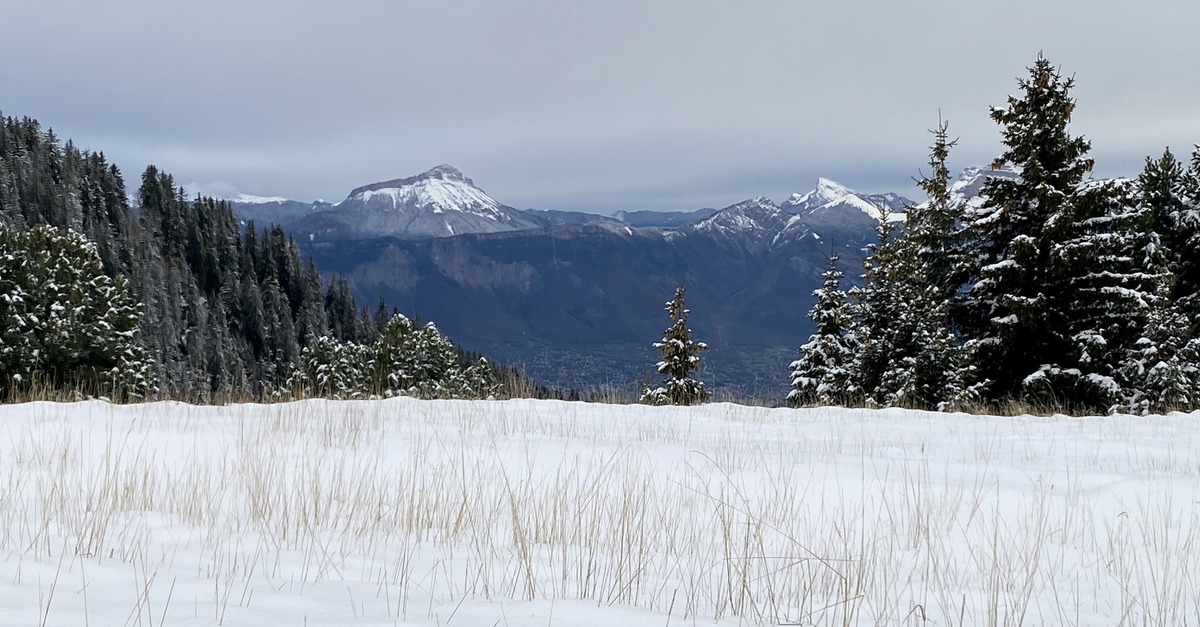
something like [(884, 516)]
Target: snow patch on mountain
[(756, 214), (438, 203), (752, 224), (440, 190), (968, 185), (250, 199), (831, 196), (826, 192)]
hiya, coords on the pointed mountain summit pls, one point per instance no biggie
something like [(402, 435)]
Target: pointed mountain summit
[(751, 223), (748, 216), (440, 202), (830, 199), (444, 172)]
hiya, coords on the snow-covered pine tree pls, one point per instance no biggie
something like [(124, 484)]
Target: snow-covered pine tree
[(681, 357), (63, 321), (936, 375), (227, 310), (1161, 371), (1171, 195), (880, 324), (1187, 273), (905, 353), (476, 381), (822, 374), (1008, 311), (930, 227), (411, 360), (1104, 275), (435, 362), (393, 358), (331, 369), (927, 369)]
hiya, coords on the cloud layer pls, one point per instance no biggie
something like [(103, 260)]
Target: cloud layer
[(622, 104)]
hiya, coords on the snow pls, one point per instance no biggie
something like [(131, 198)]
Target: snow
[(249, 199), (826, 192), (750, 216), (830, 194), (536, 513), (437, 195), (966, 188)]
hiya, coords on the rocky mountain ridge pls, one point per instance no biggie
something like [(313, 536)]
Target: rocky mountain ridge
[(442, 202), (576, 300)]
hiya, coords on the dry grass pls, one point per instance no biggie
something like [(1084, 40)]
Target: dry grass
[(406, 508)]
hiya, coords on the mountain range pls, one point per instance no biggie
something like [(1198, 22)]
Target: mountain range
[(577, 299)]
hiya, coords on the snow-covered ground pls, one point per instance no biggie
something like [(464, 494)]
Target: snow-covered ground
[(528, 513)]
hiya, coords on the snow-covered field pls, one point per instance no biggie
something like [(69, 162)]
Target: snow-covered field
[(538, 513)]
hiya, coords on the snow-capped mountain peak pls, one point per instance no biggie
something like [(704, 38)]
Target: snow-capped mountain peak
[(250, 199), (440, 202), (443, 172), (827, 191), (966, 188), (756, 213), (442, 189), (830, 196), (754, 220)]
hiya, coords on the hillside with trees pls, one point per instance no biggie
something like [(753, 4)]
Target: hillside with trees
[(154, 293)]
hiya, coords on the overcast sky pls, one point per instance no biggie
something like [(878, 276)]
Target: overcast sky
[(565, 104)]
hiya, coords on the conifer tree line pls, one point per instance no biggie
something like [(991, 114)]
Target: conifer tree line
[(172, 296), (1052, 288)]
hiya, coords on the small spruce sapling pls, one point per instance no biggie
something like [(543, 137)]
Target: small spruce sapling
[(681, 357)]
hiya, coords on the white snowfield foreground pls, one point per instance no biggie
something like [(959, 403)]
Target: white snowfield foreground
[(529, 513)]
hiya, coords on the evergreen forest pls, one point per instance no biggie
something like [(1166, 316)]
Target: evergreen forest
[(1051, 289), (151, 294)]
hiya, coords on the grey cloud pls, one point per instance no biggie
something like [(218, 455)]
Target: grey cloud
[(669, 104)]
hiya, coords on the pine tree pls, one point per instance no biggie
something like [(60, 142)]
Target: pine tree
[(435, 364), (406, 360), (332, 369), (1105, 275), (1187, 272), (476, 381), (822, 375), (935, 375), (64, 321), (342, 313), (878, 308), (1171, 195), (906, 351), (681, 357), (379, 320), (931, 227), (225, 313), (1009, 314), (1161, 370)]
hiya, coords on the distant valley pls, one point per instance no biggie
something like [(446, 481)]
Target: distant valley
[(576, 299)]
